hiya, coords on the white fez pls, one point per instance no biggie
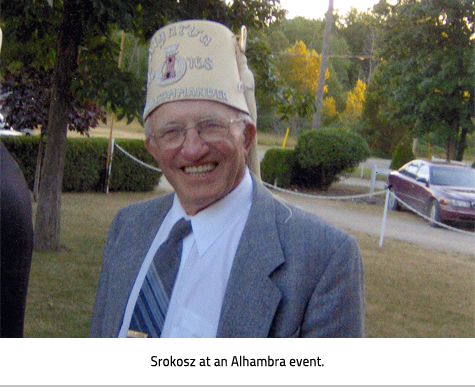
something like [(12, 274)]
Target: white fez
[(198, 60)]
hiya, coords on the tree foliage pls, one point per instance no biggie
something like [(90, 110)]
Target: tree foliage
[(402, 154), (284, 38), (311, 32), (359, 29), (380, 131), (427, 50), (26, 101), (299, 68), (26, 95), (31, 32), (355, 101), (75, 38)]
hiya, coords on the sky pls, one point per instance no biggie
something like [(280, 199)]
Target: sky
[(316, 9)]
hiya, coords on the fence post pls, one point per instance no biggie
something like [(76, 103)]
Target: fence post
[(373, 181), (385, 215), (109, 167)]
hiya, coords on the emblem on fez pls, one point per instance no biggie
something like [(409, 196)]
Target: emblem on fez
[(173, 68)]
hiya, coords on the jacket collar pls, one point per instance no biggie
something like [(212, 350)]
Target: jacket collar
[(251, 298)]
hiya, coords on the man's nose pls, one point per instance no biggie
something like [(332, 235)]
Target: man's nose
[(194, 147)]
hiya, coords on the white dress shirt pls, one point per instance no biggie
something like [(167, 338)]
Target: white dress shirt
[(206, 261)]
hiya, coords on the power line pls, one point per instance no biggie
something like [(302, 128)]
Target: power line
[(360, 57)]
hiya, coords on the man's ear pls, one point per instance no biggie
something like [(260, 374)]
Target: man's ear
[(252, 153), (151, 147), (249, 135)]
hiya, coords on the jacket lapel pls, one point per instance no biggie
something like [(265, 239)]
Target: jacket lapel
[(251, 298), (146, 229), (143, 232)]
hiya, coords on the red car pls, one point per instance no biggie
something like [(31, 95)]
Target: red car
[(442, 191)]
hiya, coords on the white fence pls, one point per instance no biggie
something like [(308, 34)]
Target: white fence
[(109, 168), (386, 206), (374, 172), (385, 211)]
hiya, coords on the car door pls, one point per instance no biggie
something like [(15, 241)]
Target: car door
[(421, 191), (406, 182)]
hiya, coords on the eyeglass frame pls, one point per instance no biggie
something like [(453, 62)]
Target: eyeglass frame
[(182, 131)]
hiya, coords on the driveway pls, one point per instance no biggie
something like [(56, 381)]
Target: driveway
[(404, 226)]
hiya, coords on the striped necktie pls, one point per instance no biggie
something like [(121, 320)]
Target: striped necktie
[(152, 303)]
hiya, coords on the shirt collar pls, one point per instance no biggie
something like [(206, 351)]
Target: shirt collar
[(209, 223)]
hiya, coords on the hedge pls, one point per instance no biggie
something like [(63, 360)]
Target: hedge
[(317, 161), (85, 164), (277, 167), (24, 150), (323, 154)]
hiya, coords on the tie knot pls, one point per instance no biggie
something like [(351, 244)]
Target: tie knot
[(180, 230)]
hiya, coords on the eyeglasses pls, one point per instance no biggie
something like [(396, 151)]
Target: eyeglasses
[(210, 130)]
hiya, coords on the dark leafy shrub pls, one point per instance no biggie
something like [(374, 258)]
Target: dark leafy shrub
[(322, 155), (25, 151), (85, 164), (84, 168), (127, 175), (277, 167)]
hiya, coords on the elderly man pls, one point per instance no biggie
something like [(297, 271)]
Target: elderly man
[(243, 264)]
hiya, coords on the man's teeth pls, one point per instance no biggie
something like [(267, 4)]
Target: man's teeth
[(199, 170)]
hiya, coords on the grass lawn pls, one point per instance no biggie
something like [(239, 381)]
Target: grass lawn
[(410, 291)]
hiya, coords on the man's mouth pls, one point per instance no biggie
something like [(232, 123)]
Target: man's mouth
[(199, 170)]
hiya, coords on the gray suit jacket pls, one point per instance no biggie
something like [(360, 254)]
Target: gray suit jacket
[(293, 275)]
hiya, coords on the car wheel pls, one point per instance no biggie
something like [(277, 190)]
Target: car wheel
[(392, 202), (434, 213)]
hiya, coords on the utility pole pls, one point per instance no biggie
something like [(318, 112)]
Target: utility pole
[(323, 66)]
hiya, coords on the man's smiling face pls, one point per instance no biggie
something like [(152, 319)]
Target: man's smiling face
[(200, 172)]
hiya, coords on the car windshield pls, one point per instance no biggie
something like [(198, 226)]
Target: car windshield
[(453, 176)]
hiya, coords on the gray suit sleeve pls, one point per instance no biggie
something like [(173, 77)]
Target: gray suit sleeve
[(336, 308), (98, 321)]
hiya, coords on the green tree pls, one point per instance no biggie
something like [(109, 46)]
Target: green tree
[(299, 68), (323, 67), (402, 154), (380, 131), (268, 85), (311, 33), (88, 25), (29, 33), (359, 30), (354, 104), (428, 54)]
